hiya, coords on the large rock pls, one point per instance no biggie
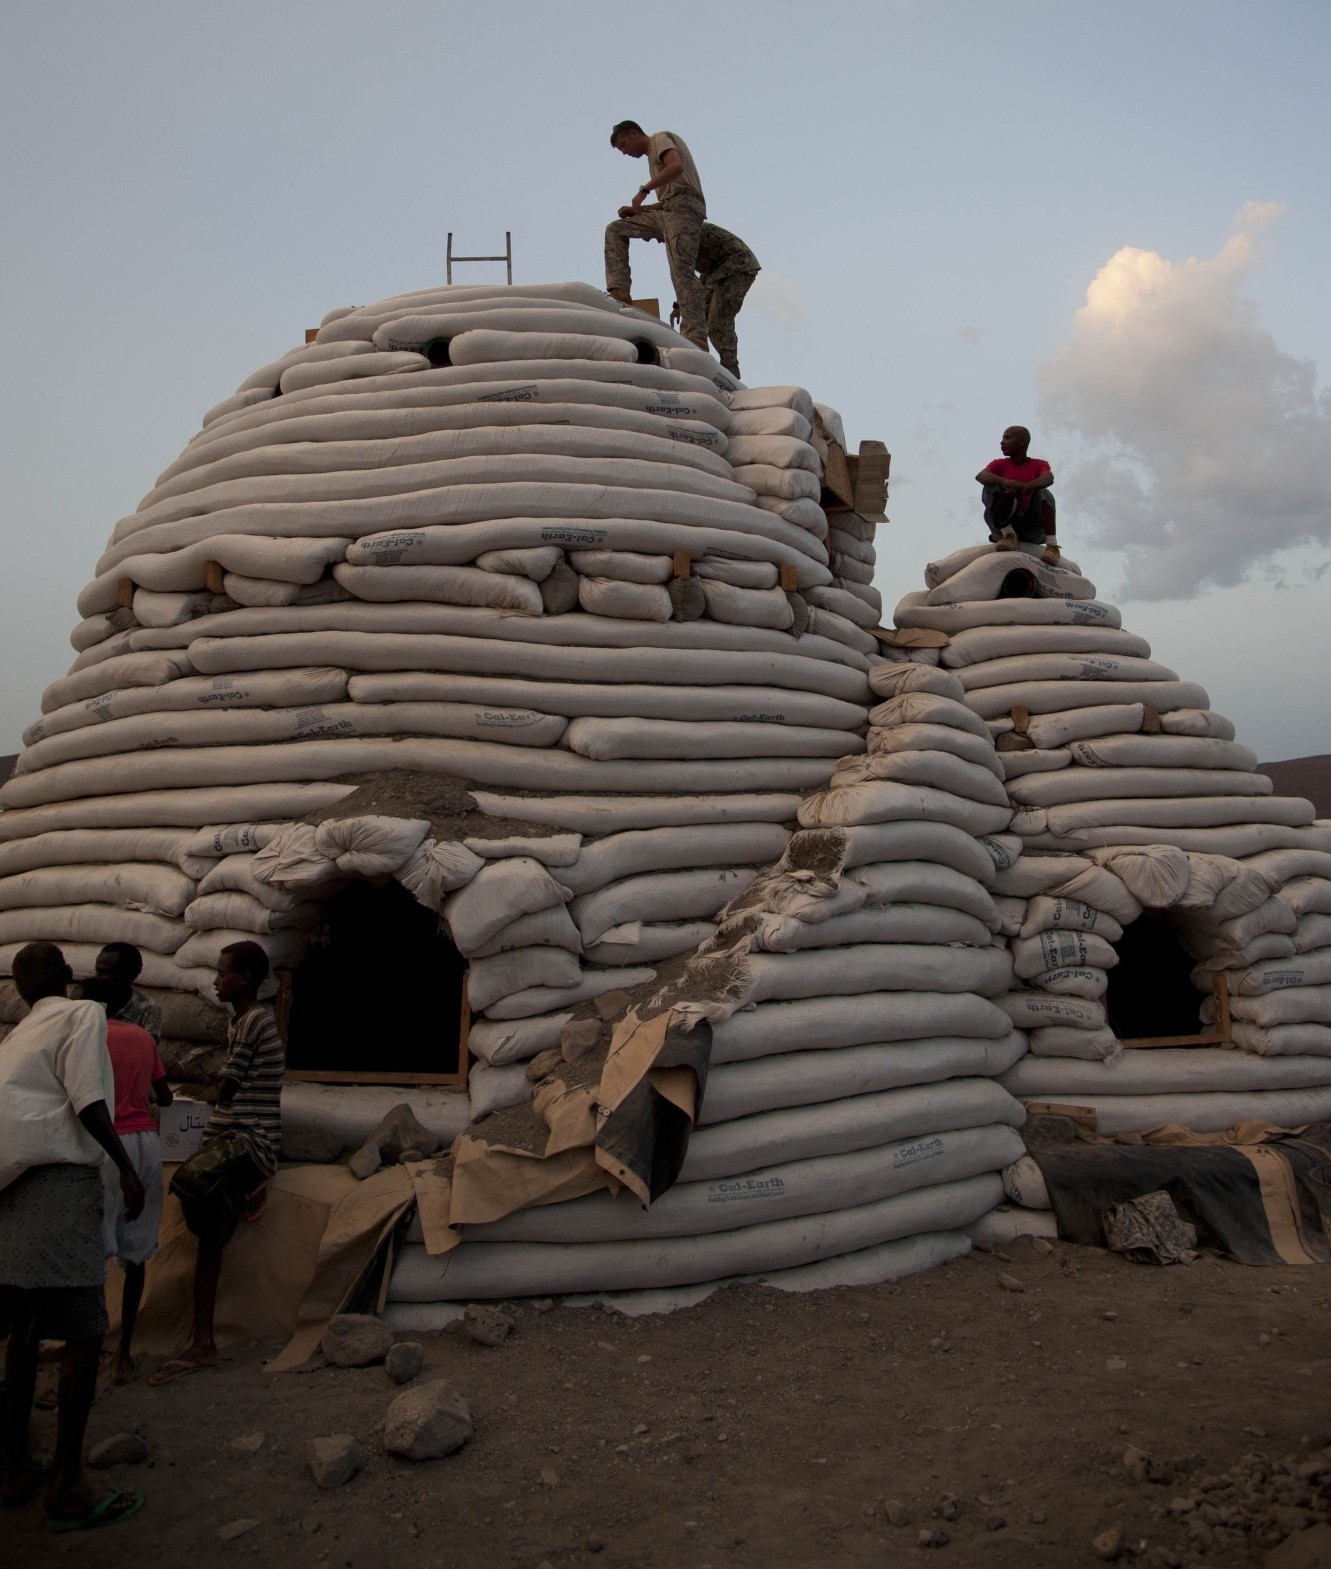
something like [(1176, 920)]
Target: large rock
[(398, 1130), (404, 1361), (334, 1460), (355, 1340), (426, 1422)]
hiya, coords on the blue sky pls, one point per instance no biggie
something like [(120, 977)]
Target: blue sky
[(933, 187)]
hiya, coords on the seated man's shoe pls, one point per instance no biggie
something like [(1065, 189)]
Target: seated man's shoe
[(1052, 556), (1007, 541)]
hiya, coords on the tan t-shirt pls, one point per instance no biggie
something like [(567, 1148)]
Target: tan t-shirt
[(658, 145)]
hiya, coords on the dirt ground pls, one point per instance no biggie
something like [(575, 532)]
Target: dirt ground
[(764, 1429)]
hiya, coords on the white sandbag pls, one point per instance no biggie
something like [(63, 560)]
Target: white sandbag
[(157, 889), (550, 850), (810, 1187), (536, 563), (1285, 864), (899, 923), (550, 928), (1283, 1040), (980, 645), (92, 846), (1210, 875), (285, 949), (917, 610), (919, 882), (1024, 1184), (436, 869), (1071, 982), (498, 976), (882, 801), (481, 346), (444, 585), (937, 770), (1164, 1071), (499, 893), (864, 1122), (642, 942), (604, 815), (869, 967), (768, 421), (1011, 914), (493, 1089), (1104, 890), (659, 896), (292, 859), (938, 738), (621, 855), (1057, 950), (765, 607), (175, 556), (515, 1040), (1031, 1010), (181, 808), (299, 377), (1079, 784), (983, 578), (888, 680), (93, 923), (788, 484), (1003, 850), (1159, 752), (1036, 874), (871, 1018), (1077, 724), (507, 1269), (742, 574), (1237, 840), (235, 873), (629, 700), (796, 398), (1285, 1005), (603, 739), (168, 610), (1017, 764), (916, 841), (244, 689), (548, 999), (1207, 939), (1199, 722), (861, 609), (1180, 811), (1307, 969), (627, 566), (927, 708), (1044, 697), (237, 911), (1313, 932), (122, 671), (370, 846), (1039, 668), (1052, 912), (605, 596), (1059, 1041), (1307, 895), (1208, 1113)]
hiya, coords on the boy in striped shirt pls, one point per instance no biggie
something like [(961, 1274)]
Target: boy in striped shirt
[(248, 1106)]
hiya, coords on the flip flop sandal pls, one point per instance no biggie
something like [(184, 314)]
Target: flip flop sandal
[(111, 1510), (169, 1372), (41, 1469)]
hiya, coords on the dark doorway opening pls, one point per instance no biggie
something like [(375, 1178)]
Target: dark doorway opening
[(1150, 991), (380, 995)]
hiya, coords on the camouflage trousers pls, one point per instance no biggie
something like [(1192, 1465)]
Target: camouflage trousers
[(724, 299), (678, 222)]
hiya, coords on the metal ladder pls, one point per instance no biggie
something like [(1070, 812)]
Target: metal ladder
[(506, 256)]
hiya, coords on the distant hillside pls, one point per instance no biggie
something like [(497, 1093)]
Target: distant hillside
[(1309, 777), (7, 766)]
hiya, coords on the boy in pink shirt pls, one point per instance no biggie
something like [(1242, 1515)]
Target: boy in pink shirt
[(140, 1081), (1018, 504)]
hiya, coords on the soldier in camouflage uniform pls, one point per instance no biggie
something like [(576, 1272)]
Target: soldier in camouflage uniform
[(728, 268), (675, 218)]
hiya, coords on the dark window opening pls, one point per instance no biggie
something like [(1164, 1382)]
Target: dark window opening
[(1150, 991), (379, 995)]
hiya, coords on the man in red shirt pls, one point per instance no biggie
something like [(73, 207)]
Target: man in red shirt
[(1018, 505), (140, 1081)]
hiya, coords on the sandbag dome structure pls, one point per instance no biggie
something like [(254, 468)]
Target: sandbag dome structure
[(535, 548)]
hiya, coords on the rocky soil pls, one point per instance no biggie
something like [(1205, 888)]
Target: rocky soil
[(1046, 1406)]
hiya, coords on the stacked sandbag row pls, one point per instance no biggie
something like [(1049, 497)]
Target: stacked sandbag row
[(489, 534), (1131, 795), (851, 1103)]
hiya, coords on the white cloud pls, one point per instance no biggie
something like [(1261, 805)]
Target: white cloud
[(779, 297), (1209, 443)]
